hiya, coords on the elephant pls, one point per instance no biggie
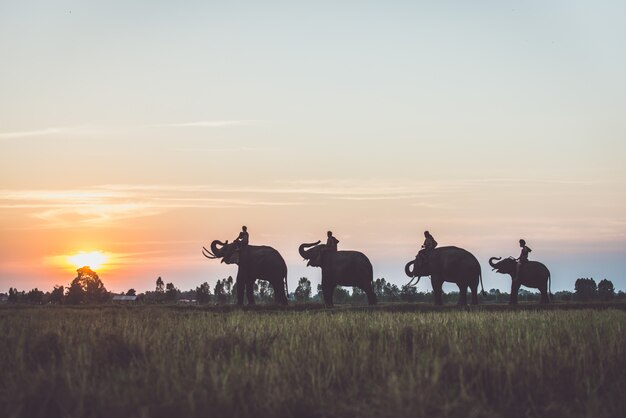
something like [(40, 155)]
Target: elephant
[(532, 274), (340, 268), (448, 264), (255, 262)]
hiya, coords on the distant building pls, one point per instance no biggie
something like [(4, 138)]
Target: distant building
[(123, 298), (188, 301)]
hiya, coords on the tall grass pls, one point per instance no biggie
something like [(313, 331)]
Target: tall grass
[(188, 362)]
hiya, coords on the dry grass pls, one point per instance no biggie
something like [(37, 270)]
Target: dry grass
[(157, 361)]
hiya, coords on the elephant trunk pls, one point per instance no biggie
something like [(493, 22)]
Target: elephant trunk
[(492, 264), (217, 251), (407, 268), (305, 253)]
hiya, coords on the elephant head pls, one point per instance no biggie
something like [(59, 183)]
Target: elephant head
[(506, 266), (222, 250), (312, 254)]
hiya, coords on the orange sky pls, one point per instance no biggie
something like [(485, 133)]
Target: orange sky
[(483, 124)]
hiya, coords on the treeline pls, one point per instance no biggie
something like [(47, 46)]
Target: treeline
[(88, 288)]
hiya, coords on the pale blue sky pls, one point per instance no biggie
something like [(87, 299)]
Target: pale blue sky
[(481, 121)]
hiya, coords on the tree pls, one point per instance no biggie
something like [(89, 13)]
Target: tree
[(564, 295), (358, 296), (265, 291), (56, 296), (159, 285), (303, 291), (585, 289), (171, 293), (14, 295), (220, 294), (87, 288), (606, 291), (131, 292), (341, 295), (203, 293), (35, 296), (408, 293)]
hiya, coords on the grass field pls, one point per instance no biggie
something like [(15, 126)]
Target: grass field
[(167, 361)]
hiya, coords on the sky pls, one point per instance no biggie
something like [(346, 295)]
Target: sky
[(146, 129)]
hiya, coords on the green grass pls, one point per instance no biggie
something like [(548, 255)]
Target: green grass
[(165, 362)]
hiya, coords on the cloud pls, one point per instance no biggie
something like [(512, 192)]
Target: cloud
[(212, 124), (24, 134)]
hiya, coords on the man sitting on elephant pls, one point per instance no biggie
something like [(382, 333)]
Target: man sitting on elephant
[(331, 246), (523, 258), (429, 245), (243, 238)]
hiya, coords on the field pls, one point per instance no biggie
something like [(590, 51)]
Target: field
[(163, 361)]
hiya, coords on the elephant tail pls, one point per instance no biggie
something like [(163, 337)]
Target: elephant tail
[(549, 282), (480, 274)]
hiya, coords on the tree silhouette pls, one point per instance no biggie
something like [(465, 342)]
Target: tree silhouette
[(159, 285), (171, 293), (606, 291), (219, 292), (131, 292), (303, 291), (408, 293), (203, 293), (56, 296), (265, 291), (87, 288), (585, 289), (358, 295), (35, 296)]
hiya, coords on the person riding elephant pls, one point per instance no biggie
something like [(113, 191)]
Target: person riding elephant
[(522, 260), (339, 268), (447, 264), (243, 239), (331, 246), (256, 262), (428, 245)]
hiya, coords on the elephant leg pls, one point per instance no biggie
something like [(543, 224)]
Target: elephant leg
[(474, 290), (462, 295), (544, 294), (515, 285), (438, 291), (327, 291), (250, 292), (240, 286), (279, 292), (371, 295)]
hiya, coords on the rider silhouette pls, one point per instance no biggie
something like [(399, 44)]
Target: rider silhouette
[(243, 238), (331, 246), (523, 258), (429, 245)]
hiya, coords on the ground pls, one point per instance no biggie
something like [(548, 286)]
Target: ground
[(304, 361)]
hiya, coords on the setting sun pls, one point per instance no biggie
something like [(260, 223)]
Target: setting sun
[(94, 259)]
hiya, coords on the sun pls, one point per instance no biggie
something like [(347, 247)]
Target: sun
[(94, 259)]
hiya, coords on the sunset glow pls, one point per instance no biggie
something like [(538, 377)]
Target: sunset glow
[(95, 259), (483, 124)]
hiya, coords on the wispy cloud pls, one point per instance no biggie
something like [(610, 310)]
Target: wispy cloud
[(212, 124), (99, 129), (100, 206), (25, 134)]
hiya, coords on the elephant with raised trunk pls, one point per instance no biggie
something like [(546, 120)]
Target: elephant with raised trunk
[(448, 264), (532, 274), (255, 262), (340, 268)]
